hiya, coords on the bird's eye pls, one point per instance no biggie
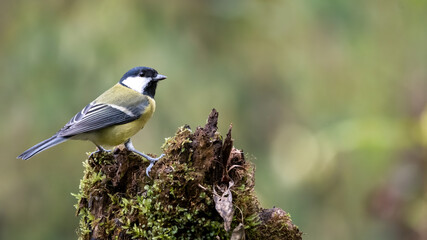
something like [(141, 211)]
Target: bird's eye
[(142, 74)]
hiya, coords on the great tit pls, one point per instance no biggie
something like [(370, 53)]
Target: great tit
[(112, 118)]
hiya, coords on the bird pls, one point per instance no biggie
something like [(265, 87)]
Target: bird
[(112, 118)]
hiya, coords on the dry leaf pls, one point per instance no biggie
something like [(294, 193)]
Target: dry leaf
[(238, 233), (224, 205)]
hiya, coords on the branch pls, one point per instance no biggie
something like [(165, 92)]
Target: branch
[(202, 189)]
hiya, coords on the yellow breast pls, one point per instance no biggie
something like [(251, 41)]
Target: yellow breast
[(118, 134)]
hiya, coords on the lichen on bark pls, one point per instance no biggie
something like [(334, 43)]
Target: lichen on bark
[(118, 201)]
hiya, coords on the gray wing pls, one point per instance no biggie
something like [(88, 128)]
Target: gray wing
[(96, 116)]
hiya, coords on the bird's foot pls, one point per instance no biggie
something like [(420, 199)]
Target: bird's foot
[(152, 161), (129, 146), (99, 150)]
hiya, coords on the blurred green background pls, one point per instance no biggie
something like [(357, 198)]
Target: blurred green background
[(327, 97)]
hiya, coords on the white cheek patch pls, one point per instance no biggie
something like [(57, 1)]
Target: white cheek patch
[(136, 83)]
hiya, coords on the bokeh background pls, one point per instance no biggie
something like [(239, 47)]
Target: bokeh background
[(328, 98)]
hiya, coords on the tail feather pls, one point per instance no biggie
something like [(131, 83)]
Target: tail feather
[(48, 143)]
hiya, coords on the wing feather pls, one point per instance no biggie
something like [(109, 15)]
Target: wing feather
[(96, 116)]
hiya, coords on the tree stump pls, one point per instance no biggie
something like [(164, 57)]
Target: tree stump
[(203, 188)]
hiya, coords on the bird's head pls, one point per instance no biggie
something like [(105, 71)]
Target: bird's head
[(142, 79)]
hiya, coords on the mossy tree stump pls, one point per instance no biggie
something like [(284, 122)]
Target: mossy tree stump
[(200, 176)]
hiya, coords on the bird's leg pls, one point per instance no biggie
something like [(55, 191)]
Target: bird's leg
[(99, 150), (130, 147)]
